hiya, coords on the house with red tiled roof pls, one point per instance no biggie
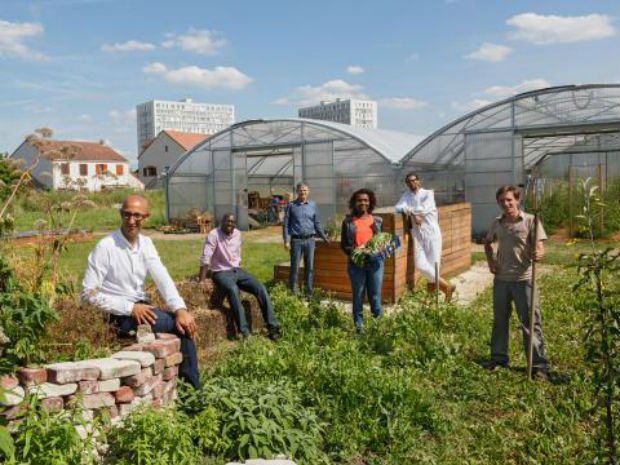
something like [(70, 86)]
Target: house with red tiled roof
[(160, 153), (75, 165)]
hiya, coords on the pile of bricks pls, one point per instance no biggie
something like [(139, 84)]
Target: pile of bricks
[(142, 373)]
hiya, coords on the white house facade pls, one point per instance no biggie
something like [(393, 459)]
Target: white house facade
[(76, 165)]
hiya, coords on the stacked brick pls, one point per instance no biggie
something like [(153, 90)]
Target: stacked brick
[(142, 373)]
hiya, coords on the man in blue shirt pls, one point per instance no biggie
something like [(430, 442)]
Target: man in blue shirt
[(299, 227)]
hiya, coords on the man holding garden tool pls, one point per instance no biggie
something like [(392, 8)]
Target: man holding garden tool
[(520, 237)]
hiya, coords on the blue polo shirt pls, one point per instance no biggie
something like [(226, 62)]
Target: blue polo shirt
[(300, 219)]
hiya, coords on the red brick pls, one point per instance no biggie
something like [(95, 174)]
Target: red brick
[(147, 387), (159, 390), (139, 379), (11, 382), (32, 376), (171, 372), (124, 395), (158, 366), (12, 413), (89, 386), (170, 337), (70, 372), (163, 347), (53, 404), (157, 403)]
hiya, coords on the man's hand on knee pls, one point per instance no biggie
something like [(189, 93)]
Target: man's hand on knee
[(143, 314), (185, 322)]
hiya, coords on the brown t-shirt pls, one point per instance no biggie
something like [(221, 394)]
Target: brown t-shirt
[(515, 246)]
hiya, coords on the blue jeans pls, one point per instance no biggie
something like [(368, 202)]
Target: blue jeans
[(166, 323), (519, 292), (231, 281), (367, 279), (301, 247)]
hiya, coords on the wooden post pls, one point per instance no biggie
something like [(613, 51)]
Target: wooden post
[(532, 314)]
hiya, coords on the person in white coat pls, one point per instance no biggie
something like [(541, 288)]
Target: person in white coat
[(419, 206)]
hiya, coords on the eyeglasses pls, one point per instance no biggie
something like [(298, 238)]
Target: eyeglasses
[(136, 216), (410, 180)]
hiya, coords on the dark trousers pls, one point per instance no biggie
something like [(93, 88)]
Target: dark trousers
[(233, 280), (166, 323), (301, 247), (519, 292)]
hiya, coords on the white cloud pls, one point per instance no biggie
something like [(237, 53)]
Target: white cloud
[(331, 90), (129, 46), (12, 36), (413, 57), (355, 69), (523, 86), (224, 77), (489, 52), (198, 41), (85, 118), (551, 29), (123, 117), (402, 103), (470, 105)]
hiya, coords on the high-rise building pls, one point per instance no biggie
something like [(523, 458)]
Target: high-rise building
[(182, 115), (358, 113)]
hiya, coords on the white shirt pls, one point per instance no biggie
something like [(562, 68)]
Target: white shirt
[(421, 202), (114, 278)]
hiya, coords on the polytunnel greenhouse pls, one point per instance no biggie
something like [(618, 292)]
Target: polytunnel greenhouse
[(557, 132)]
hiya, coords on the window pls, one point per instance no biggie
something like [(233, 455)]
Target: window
[(149, 171), (120, 170), (165, 148), (64, 169), (101, 168), (83, 169)]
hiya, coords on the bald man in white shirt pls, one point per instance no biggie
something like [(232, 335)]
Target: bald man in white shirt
[(114, 282)]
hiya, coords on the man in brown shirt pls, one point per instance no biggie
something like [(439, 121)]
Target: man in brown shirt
[(512, 267)]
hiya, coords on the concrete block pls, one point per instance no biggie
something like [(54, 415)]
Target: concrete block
[(142, 400), (13, 397), (70, 372), (146, 359), (52, 390), (159, 390), (173, 359), (126, 409), (112, 368), (31, 376), (93, 401), (136, 380), (148, 386), (109, 385), (124, 395)]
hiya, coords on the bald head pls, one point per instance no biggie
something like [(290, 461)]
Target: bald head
[(135, 201), (134, 211)]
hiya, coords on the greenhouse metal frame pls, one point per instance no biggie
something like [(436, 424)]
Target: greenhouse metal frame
[(467, 159)]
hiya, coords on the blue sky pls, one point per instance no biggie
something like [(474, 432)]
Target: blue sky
[(81, 66)]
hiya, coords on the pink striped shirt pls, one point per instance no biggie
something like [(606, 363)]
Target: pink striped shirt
[(221, 251)]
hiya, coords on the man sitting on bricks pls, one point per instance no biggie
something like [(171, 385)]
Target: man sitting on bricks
[(221, 256), (114, 282)]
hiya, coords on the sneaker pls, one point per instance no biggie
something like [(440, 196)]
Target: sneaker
[(243, 336), (274, 334), (492, 365)]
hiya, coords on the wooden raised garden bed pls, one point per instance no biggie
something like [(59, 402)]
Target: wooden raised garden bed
[(330, 263)]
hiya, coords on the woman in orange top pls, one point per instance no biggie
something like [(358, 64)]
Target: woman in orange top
[(358, 228)]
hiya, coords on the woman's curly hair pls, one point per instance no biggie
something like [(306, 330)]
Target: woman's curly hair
[(371, 197)]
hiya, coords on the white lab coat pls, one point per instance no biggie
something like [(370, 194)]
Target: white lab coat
[(427, 236)]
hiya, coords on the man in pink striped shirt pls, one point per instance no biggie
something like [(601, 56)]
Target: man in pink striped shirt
[(221, 255)]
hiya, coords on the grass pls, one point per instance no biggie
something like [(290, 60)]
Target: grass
[(180, 256)]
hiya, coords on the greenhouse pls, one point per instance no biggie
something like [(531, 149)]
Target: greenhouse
[(560, 132)]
